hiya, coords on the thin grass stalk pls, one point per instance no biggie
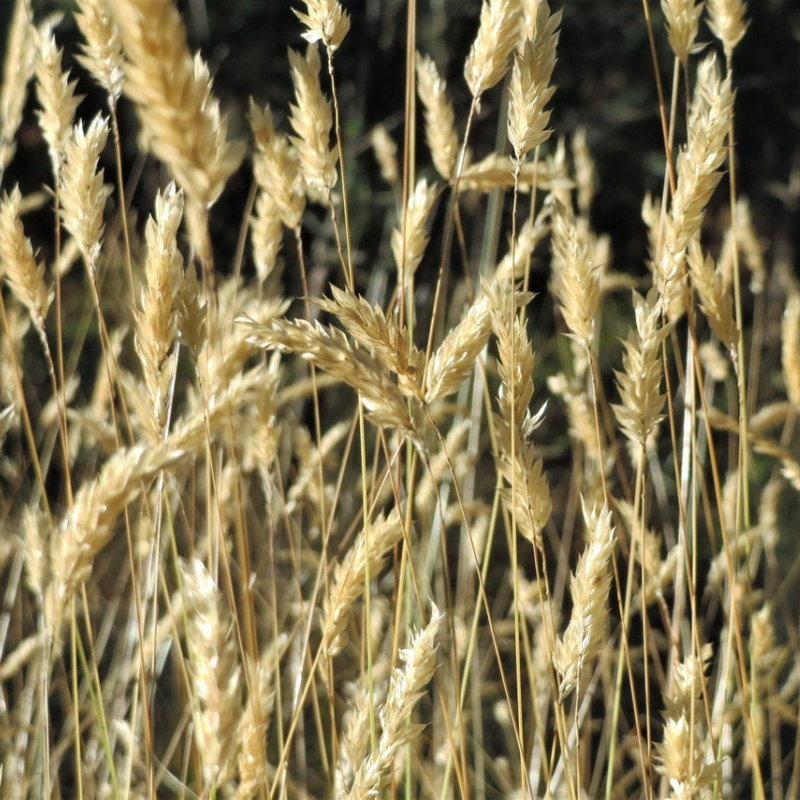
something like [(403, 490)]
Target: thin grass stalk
[(484, 597), (736, 634), (743, 499)]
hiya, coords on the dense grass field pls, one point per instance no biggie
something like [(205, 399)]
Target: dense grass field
[(340, 455)]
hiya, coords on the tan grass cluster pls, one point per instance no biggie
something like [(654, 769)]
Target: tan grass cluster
[(229, 514)]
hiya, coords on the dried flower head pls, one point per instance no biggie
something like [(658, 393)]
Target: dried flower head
[(83, 193), (17, 262), (640, 381), (682, 18), (18, 69), (181, 118), (277, 168), (410, 240), (156, 323), (530, 90), (56, 94), (312, 119), (440, 119), (487, 62), (727, 23), (589, 586), (102, 53), (326, 22)]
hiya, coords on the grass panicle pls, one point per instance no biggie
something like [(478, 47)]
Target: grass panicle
[(397, 370), (18, 69), (19, 268)]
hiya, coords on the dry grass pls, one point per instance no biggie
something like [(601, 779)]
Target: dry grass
[(229, 518)]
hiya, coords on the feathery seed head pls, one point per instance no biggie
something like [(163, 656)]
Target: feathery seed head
[(576, 278), (790, 347), (457, 354), (347, 582), (405, 689), (102, 52), (727, 23), (83, 193), (181, 118), (17, 262), (156, 323), (18, 69), (530, 90), (312, 119), (385, 153), (698, 166), (440, 119), (213, 671), (276, 167), (682, 756), (56, 94), (410, 240), (639, 383), (682, 18), (326, 22), (487, 62), (589, 586), (715, 301)]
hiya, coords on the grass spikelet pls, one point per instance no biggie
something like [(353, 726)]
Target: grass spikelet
[(35, 548), (181, 118), (347, 584), (584, 168), (266, 235), (381, 334), (528, 237), (17, 262), (56, 94), (457, 354), (530, 89), (406, 687), (276, 167), (528, 494), (214, 673), (89, 524), (83, 193), (253, 727), (583, 638), (191, 313), (326, 23), (18, 68), (156, 323), (576, 278), (682, 18), (410, 240), (385, 154), (328, 349), (440, 119), (312, 119), (681, 756), (727, 23), (354, 744), (715, 302), (487, 62), (698, 173), (640, 381), (102, 53)]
